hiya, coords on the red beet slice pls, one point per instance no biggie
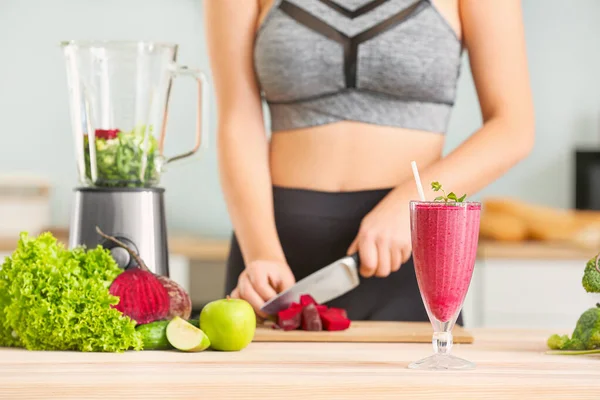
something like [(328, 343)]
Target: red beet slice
[(307, 299), (290, 318), (333, 321), (321, 308), (340, 311), (311, 321), (295, 305)]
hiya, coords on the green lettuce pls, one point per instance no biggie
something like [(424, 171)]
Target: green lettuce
[(120, 160), (53, 298)]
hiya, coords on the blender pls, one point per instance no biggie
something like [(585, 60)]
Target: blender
[(118, 97)]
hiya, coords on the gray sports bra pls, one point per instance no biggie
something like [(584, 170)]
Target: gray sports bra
[(384, 62)]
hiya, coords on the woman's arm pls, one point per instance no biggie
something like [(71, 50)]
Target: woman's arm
[(242, 141), (494, 38), (243, 148)]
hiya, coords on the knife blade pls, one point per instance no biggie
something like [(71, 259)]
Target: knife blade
[(324, 285)]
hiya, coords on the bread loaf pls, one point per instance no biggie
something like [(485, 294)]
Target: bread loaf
[(502, 227), (546, 223)]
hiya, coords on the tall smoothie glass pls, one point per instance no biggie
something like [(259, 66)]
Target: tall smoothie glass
[(444, 240)]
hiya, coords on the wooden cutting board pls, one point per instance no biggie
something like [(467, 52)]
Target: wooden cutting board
[(363, 331)]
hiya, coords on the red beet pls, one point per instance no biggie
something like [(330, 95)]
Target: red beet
[(340, 311), (333, 321), (178, 300), (321, 308), (106, 133), (141, 296), (290, 318), (307, 299), (311, 321), (180, 304)]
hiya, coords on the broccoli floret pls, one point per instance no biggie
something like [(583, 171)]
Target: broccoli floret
[(559, 342), (586, 335), (587, 329), (591, 277)]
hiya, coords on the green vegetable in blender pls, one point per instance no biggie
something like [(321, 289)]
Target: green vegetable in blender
[(53, 298), (121, 159)]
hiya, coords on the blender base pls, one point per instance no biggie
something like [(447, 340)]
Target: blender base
[(135, 216)]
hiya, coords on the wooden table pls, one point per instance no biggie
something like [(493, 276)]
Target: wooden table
[(511, 365)]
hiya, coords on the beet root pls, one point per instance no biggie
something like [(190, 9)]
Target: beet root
[(307, 299), (311, 321), (311, 316), (178, 300), (180, 304), (290, 318), (141, 296), (340, 311), (333, 320)]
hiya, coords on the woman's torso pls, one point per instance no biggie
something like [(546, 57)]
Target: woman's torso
[(347, 155)]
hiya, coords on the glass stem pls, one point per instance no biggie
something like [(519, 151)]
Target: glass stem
[(442, 342)]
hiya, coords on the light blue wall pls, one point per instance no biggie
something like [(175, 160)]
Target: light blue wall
[(36, 137)]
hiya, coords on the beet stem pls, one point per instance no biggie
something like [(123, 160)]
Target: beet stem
[(133, 254)]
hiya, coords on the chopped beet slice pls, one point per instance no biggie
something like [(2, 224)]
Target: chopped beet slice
[(311, 321), (333, 321), (307, 299), (340, 311), (290, 318), (295, 305)]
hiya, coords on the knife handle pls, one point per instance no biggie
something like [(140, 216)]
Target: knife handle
[(356, 259)]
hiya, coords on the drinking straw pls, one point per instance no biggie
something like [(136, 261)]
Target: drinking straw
[(418, 180)]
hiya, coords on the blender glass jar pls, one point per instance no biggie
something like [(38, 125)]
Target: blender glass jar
[(119, 95)]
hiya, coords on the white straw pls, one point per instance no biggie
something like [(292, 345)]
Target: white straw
[(418, 180)]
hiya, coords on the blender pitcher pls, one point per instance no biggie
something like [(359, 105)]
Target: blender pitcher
[(119, 96)]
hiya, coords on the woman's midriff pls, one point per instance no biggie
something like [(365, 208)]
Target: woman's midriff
[(350, 156)]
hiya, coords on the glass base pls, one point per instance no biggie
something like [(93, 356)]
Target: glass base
[(441, 362)]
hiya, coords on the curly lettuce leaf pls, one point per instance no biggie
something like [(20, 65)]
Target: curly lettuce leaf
[(53, 298)]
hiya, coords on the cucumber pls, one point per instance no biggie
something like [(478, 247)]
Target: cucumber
[(154, 335)]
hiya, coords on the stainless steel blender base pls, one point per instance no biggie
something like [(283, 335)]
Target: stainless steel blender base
[(133, 215)]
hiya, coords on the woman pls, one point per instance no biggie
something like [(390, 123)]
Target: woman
[(356, 90)]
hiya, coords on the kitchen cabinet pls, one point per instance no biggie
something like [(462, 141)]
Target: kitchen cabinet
[(527, 293)]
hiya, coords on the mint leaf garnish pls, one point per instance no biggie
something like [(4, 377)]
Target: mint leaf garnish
[(437, 187)]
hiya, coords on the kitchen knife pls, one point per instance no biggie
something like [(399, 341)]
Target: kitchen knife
[(324, 285)]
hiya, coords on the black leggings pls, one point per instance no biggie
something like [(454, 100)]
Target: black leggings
[(316, 228)]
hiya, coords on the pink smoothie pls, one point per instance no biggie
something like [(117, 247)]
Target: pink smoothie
[(444, 240)]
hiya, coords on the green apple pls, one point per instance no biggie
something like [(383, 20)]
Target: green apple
[(229, 323), (186, 337)]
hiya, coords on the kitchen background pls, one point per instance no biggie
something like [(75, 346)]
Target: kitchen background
[(517, 284)]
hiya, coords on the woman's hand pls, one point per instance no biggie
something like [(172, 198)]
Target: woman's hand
[(383, 241), (262, 280)]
